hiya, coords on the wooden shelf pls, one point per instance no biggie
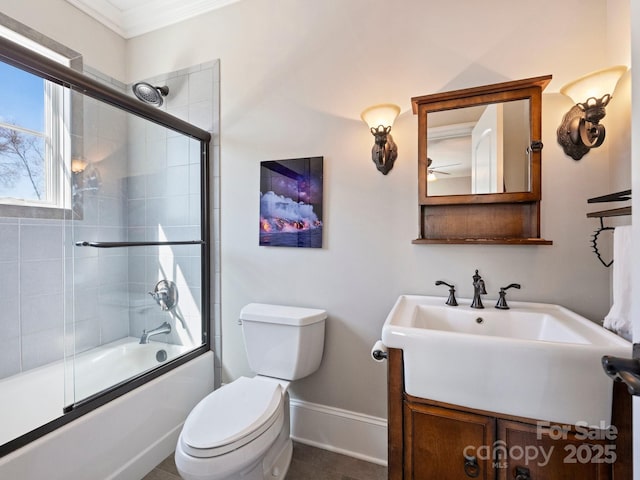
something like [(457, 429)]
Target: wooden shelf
[(613, 212), (481, 241), (612, 197)]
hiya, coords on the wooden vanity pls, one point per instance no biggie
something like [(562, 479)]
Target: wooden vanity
[(434, 440)]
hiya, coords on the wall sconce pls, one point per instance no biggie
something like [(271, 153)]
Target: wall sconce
[(86, 177), (581, 130), (380, 119)]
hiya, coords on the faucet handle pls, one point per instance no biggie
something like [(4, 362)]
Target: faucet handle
[(165, 294), (452, 293), (502, 301)]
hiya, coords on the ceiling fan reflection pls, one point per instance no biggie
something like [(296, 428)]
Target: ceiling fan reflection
[(431, 172)]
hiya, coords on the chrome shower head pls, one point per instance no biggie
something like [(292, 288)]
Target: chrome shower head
[(150, 94)]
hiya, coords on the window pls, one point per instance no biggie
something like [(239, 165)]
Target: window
[(33, 145)]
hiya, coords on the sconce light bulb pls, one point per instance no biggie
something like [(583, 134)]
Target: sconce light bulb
[(78, 165)]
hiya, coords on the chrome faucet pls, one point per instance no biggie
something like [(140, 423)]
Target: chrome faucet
[(164, 328), (478, 289)]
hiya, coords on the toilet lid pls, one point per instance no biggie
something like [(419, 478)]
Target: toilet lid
[(232, 414)]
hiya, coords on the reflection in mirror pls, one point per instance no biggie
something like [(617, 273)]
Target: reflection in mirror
[(479, 149)]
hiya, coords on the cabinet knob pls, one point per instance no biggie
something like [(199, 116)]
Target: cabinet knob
[(522, 473), (471, 467)]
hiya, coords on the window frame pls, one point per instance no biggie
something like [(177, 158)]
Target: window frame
[(56, 202)]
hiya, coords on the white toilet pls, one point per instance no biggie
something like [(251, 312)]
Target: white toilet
[(241, 430)]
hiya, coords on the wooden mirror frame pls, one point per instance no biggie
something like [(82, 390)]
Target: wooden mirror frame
[(499, 218)]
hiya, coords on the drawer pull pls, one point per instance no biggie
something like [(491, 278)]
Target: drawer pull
[(522, 473), (471, 467)]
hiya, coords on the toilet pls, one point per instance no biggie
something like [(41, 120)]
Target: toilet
[(241, 430)]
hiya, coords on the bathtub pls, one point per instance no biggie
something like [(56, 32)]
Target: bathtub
[(122, 439)]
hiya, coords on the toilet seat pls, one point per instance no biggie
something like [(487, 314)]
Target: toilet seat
[(232, 416)]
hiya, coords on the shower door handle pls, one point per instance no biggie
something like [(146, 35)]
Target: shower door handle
[(82, 243)]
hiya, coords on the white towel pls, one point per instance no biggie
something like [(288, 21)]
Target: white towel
[(618, 319)]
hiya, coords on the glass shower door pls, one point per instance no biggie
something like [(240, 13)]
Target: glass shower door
[(138, 247)]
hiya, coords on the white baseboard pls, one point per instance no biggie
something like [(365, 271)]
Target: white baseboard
[(341, 431)]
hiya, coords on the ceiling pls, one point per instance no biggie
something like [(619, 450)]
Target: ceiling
[(130, 18)]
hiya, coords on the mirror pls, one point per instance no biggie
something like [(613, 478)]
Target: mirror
[(480, 149), (479, 163), (480, 144)]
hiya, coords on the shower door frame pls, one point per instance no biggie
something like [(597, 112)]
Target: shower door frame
[(25, 59)]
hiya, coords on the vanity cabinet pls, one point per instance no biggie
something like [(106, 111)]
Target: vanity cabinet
[(433, 440)]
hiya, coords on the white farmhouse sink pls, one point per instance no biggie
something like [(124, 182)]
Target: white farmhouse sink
[(536, 360)]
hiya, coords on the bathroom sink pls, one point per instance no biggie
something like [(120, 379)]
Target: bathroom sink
[(535, 360)]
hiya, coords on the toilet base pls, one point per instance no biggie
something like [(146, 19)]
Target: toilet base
[(275, 463), (272, 467)]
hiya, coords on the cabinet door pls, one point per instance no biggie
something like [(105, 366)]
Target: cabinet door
[(447, 444), (546, 452)]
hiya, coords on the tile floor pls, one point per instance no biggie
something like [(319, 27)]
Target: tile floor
[(308, 463)]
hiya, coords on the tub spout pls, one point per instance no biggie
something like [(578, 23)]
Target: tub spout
[(164, 328)]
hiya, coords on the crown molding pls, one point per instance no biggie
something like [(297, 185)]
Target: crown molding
[(130, 18)]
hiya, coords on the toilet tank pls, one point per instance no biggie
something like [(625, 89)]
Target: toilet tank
[(283, 342)]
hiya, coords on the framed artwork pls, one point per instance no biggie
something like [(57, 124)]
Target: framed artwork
[(291, 202)]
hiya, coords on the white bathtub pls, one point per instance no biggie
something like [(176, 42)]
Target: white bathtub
[(124, 438)]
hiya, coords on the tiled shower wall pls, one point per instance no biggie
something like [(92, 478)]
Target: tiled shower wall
[(98, 311), (164, 183), (45, 281), (109, 291), (31, 273)]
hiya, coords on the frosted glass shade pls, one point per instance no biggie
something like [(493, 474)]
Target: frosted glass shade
[(384, 114), (595, 84)]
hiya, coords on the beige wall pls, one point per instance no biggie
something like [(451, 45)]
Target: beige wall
[(64, 23), (295, 77)]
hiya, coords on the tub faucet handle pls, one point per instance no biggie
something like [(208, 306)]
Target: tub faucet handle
[(160, 297), (165, 294), (452, 293)]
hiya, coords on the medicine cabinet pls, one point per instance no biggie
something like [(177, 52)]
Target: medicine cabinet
[(479, 168)]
